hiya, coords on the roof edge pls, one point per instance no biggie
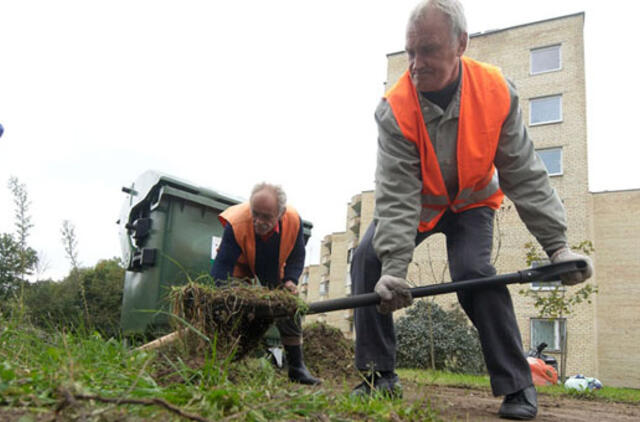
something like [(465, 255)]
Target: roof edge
[(494, 31)]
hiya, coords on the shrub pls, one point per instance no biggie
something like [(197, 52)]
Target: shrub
[(456, 343)]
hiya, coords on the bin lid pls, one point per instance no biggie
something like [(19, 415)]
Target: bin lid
[(145, 190)]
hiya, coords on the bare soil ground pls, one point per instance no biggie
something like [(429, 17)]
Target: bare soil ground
[(330, 356), (465, 404)]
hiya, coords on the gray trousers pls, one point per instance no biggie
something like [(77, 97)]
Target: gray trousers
[(469, 237)]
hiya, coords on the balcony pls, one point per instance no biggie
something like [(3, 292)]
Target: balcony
[(326, 260), (354, 224), (356, 204)]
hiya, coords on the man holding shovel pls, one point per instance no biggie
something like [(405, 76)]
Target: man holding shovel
[(263, 238), (447, 129)]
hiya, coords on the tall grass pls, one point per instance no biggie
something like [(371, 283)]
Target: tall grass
[(80, 375)]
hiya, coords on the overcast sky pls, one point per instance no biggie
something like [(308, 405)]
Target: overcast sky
[(226, 94)]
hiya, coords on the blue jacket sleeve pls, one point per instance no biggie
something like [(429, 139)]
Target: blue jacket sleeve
[(295, 261), (227, 256)]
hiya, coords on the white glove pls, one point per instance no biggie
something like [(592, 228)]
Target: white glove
[(566, 254), (394, 294)]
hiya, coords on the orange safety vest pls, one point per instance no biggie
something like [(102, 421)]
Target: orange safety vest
[(240, 218), (484, 105)]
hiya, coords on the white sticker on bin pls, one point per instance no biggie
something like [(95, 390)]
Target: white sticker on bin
[(215, 244)]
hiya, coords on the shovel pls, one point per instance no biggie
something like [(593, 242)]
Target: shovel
[(543, 273)]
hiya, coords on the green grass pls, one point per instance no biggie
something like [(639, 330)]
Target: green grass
[(88, 377), (428, 377)]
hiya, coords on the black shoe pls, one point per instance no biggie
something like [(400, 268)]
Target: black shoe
[(386, 384), (301, 375), (298, 372), (522, 405)]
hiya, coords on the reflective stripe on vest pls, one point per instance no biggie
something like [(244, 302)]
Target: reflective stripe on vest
[(240, 218), (484, 105)]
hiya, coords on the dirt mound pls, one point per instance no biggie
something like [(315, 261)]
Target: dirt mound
[(328, 354), (235, 316)]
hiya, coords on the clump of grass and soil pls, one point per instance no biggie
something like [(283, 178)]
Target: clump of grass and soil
[(235, 316)]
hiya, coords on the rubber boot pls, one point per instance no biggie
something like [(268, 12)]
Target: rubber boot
[(521, 405), (298, 372)]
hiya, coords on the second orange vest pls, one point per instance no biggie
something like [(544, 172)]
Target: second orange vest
[(240, 218), (484, 105)]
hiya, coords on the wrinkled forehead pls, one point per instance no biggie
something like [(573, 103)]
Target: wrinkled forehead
[(428, 31), (430, 21), (264, 200)]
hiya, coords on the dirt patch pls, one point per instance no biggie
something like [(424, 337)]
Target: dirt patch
[(328, 354), (470, 404)]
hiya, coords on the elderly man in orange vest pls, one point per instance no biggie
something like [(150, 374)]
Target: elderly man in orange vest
[(264, 238), (447, 129)]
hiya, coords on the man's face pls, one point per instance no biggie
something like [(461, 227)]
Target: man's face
[(264, 210), (434, 53)]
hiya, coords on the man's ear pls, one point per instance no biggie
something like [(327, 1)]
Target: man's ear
[(463, 42)]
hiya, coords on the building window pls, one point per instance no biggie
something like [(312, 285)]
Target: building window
[(324, 288), (552, 159), (350, 255), (550, 331), (545, 59), (545, 110)]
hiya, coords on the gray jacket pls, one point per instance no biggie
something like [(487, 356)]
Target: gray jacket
[(522, 176)]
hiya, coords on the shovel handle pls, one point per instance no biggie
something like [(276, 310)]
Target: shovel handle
[(543, 273)]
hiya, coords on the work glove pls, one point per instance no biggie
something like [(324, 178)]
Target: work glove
[(394, 294), (570, 279)]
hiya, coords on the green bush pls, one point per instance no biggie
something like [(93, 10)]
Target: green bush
[(59, 304), (456, 343)]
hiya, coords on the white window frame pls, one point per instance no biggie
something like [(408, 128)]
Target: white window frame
[(559, 329), (561, 161), (347, 277), (547, 122), (548, 47)]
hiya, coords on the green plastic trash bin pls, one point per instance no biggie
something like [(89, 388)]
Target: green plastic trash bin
[(167, 227)]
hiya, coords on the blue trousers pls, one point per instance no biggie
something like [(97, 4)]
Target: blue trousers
[(469, 241)]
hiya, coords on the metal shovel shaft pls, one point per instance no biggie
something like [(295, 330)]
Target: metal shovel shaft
[(544, 273)]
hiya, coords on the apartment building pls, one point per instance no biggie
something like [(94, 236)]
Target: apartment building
[(545, 60)]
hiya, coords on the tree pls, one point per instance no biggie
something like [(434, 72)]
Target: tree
[(17, 260), (557, 301), (22, 203), (70, 243), (71, 250), (14, 263)]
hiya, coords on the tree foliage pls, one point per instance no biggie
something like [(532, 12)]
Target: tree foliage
[(15, 262), (22, 203), (456, 345), (53, 304), (17, 259), (557, 302)]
